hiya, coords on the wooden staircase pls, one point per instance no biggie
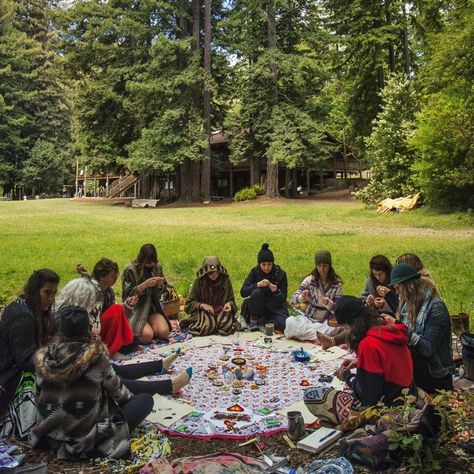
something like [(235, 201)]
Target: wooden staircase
[(120, 186)]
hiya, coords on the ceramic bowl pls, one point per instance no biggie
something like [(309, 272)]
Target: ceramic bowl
[(301, 356)]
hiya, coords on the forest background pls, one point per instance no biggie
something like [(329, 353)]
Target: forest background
[(140, 84)]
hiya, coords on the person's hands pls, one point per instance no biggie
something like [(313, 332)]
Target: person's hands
[(273, 287), (82, 270), (263, 283), (207, 308), (382, 290), (344, 370), (151, 282), (227, 308), (389, 319), (326, 302), (305, 296), (370, 300), (379, 302), (132, 300)]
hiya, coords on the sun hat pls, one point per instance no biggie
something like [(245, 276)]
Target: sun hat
[(402, 273)]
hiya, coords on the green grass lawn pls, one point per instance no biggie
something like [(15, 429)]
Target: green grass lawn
[(61, 233)]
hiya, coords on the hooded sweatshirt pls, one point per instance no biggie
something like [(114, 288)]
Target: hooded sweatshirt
[(384, 365), (78, 414)]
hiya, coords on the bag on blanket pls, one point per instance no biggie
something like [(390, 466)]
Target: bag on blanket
[(170, 302)]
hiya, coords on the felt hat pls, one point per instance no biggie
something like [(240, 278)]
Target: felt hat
[(73, 322), (402, 273), (323, 256), (348, 308), (210, 265), (265, 254)]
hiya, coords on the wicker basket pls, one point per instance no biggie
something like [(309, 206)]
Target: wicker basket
[(170, 302)]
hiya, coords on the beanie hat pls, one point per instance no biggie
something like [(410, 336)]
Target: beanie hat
[(265, 255), (348, 308), (402, 273), (73, 322), (323, 256)]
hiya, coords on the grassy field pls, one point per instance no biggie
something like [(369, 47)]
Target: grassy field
[(61, 233)]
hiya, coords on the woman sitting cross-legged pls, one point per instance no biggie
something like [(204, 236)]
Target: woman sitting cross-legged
[(84, 409), (144, 278), (210, 302), (319, 292), (265, 290), (25, 325), (429, 324), (109, 320)]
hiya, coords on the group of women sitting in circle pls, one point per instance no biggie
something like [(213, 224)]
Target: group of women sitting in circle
[(88, 402)]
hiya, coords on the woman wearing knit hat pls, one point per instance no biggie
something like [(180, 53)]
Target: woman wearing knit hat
[(429, 324), (265, 288), (210, 302), (84, 409), (319, 291)]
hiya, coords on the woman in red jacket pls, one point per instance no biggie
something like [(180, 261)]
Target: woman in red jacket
[(384, 362)]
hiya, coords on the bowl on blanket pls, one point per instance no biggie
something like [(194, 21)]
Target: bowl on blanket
[(301, 356)]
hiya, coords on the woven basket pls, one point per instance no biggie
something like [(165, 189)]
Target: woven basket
[(170, 302)]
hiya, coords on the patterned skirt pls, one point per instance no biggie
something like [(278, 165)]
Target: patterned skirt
[(204, 324)]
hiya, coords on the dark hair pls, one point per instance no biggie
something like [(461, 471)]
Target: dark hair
[(44, 319), (332, 275), (147, 254), (359, 326), (411, 259), (103, 267), (380, 263)]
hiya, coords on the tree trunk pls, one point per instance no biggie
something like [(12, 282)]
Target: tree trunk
[(254, 170), (206, 106), (406, 44), (287, 182), (272, 168)]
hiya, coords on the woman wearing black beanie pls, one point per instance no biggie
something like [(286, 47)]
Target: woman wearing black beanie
[(265, 288)]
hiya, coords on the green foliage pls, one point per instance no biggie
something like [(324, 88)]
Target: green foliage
[(388, 145), (245, 194), (445, 135), (45, 168), (259, 189), (32, 96)]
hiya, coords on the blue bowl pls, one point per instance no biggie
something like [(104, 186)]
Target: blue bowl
[(301, 356)]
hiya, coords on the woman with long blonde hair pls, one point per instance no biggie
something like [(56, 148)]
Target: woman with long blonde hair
[(429, 324)]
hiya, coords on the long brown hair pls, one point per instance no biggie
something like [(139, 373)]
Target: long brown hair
[(332, 275), (359, 326), (147, 254), (412, 294), (44, 319), (380, 263)]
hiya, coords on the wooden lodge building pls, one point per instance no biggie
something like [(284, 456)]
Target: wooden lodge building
[(226, 178)]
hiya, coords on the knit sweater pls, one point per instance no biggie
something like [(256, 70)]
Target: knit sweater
[(384, 365), (317, 290), (18, 343)]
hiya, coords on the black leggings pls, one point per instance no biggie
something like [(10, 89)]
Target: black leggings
[(258, 307), (129, 373), (137, 409)]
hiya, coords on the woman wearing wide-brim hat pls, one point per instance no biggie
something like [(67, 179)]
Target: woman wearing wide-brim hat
[(429, 324)]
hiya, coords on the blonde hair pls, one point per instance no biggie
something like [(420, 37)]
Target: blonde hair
[(412, 294)]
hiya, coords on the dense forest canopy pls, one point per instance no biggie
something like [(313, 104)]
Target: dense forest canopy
[(141, 84)]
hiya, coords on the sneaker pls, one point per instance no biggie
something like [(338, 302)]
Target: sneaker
[(253, 326)]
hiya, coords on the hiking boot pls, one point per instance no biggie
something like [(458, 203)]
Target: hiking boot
[(253, 326)]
